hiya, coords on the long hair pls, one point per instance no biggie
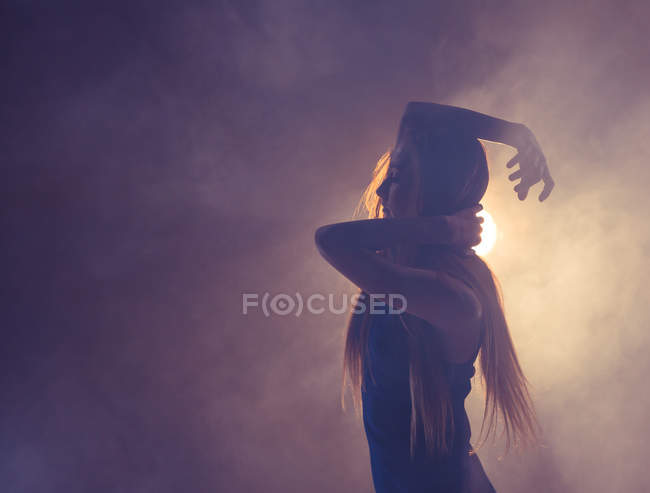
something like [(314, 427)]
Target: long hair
[(453, 174)]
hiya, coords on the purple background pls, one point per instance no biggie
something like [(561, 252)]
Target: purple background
[(162, 158)]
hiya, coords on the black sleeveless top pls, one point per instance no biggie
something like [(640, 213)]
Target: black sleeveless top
[(387, 412)]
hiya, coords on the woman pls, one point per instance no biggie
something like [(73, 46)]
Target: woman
[(411, 371)]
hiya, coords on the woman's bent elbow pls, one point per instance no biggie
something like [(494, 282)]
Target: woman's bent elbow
[(324, 240), (320, 235)]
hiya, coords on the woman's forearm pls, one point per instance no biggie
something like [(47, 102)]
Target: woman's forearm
[(468, 121), (377, 234)]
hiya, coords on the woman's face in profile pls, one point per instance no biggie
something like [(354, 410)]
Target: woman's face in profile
[(398, 191)]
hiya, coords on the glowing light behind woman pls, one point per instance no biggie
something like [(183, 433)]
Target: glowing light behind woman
[(488, 236)]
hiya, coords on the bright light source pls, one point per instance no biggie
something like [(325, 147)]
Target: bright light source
[(488, 236)]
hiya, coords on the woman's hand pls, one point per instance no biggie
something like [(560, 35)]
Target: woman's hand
[(465, 227), (462, 229), (532, 167)]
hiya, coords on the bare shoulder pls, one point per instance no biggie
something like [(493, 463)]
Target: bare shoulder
[(439, 297), (451, 305)]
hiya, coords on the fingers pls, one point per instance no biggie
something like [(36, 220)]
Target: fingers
[(548, 186), (522, 190), (513, 161), (466, 225), (515, 175), (533, 168), (476, 236), (530, 172), (476, 230)]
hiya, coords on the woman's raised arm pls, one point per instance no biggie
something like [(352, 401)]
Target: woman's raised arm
[(466, 121), (533, 167)]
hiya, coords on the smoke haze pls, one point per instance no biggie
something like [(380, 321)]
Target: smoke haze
[(161, 160)]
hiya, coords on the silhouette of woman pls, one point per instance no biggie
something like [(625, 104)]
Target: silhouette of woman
[(410, 366)]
